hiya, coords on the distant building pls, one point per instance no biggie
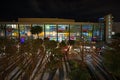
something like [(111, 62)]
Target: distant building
[(116, 27), (55, 29), (108, 27)]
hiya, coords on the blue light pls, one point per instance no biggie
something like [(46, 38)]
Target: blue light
[(22, 40)]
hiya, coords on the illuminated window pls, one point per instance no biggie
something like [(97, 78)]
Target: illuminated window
[(51, 31)]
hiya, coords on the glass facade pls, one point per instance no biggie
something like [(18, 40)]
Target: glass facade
[(102, 28), (75, 32), (57, 32), (87, 32), (51, 32), (63, 32), (24, 30), (12, 31), (96, 33)]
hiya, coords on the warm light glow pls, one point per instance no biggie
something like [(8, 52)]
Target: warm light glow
[(29, 33), (54, 33), (35, 36), (41, 34), (94, 47), (14, 26), (81, 46), (14, 34), (2, 34), (66, 34)]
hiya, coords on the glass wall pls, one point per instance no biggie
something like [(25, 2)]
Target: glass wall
[(63, 32), (51, 31), (102, 28), (25, 30), (96, 33), (87, 31), (57, 32), (75, 32), (12, 31)]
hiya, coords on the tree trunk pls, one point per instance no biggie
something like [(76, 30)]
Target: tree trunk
[(37, 36)]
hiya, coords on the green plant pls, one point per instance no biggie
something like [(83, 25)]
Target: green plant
[(36, 30), (78, 71), (112, 58)]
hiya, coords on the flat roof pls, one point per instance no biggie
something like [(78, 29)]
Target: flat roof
[(70, 23), (48, 21), (44, 20)]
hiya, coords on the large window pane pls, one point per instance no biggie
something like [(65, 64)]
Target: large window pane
[(75, 32), (96, 32), (63, 32), (12, 30), (87, 31), (102, 32), (25, 30), (51, 32)]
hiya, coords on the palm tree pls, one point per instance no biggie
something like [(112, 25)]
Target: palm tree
[(36, 30)]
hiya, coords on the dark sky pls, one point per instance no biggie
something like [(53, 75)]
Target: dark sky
[(80, 10)]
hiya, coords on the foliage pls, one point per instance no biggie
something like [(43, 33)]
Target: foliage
[(10, 47), (62, 44), (112, 58), (37, 44), (55, 60), (50, 44), (71, 42), (36, 30), (78, 71)]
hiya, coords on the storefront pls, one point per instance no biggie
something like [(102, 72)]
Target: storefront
[(57, 31)]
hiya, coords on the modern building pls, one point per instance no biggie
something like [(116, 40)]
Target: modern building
[(55, 29), (116, 27)]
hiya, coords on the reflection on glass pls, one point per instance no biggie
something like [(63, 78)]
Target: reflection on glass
[(96, 32), (51, 32), (75, 32), (87, 32), (24, 29), (63, 32), (12, 30)]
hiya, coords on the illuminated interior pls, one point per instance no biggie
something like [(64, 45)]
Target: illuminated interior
[(87, 32), (75, 32), (57, 32), (63, 32), (11, 30), (24, 30), (51, 32)]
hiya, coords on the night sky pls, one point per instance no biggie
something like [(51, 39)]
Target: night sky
[(80, 10)]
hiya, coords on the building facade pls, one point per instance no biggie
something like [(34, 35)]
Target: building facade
[(116, 27), (54, 29)]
